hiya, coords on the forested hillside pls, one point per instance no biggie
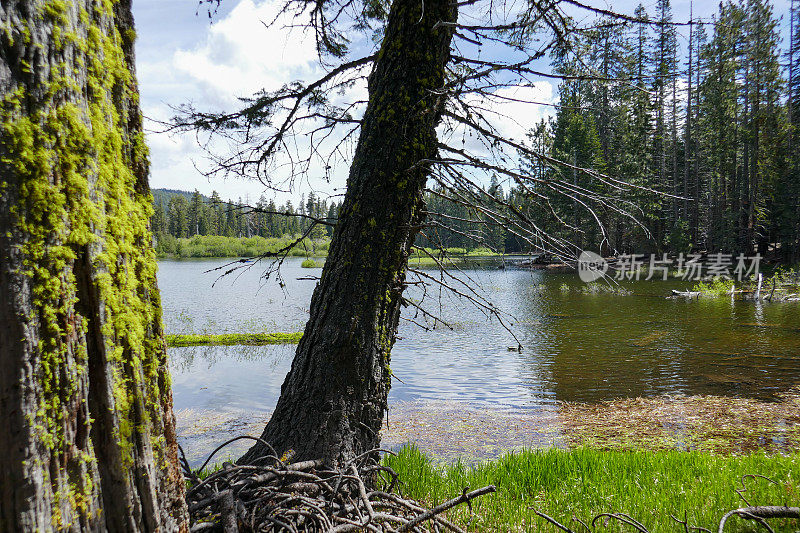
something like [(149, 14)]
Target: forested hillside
[(707, 130)]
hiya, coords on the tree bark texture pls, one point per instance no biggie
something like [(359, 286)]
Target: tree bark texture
[(88, 442), (334, 397)]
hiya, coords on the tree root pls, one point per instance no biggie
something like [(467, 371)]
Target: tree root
[(307, 496)]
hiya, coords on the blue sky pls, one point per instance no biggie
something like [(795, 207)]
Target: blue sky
[(182, 57)]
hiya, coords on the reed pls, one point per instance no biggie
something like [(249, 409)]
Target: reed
[(650, 486)]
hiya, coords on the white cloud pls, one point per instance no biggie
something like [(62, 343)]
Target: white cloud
[(210, 67), (520, 108), (240, 55), (511, 112)]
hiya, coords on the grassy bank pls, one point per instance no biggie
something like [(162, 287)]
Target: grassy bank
[(219, 246), (168, 246), (618, 456), (647, 485), (231, 339), (448, 256)]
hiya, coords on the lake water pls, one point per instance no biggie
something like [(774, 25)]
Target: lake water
[(577, 346)]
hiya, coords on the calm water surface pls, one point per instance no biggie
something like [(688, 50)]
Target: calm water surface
[(576, 346)]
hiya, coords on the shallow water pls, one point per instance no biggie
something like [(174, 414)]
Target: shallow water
[(576, 346)]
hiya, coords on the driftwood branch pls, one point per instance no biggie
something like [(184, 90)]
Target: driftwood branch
[(760, 513)]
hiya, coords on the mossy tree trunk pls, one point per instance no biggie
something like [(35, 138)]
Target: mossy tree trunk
[(334, 397), (88, 442)]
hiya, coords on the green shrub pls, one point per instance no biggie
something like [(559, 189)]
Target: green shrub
[(481, 252), (455, 251), (714, 287)]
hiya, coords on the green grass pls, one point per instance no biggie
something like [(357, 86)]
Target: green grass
[(231, 339), (454, 252), (582, 482), (784, 279), (168, 246), (220, 246), (310, 263), (457, 259)]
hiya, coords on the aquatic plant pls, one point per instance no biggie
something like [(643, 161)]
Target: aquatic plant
[(231, 339), (604, 288)]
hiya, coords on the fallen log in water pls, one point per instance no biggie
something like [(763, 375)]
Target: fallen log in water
[(686, 294), (307, 496)]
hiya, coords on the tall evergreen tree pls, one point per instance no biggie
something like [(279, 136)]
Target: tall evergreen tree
[(195, 213), (663, 87)]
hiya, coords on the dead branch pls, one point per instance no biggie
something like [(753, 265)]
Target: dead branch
[(760, 513)]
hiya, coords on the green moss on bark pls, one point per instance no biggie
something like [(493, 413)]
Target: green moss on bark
[(74, 165)]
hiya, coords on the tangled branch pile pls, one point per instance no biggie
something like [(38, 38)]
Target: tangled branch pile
[(308, 497)]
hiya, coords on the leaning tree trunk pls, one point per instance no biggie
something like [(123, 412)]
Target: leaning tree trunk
[(334, 397), (88, 442)]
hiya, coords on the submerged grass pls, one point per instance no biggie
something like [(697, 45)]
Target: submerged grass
[(231, 339), (647, 485), (717, 424)]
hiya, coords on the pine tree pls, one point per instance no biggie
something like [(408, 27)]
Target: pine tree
[(719, 111), (178, 216), (195, 213), (792, 219), (664, 81), (763, 127)]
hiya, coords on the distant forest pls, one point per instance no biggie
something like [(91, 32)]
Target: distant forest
[(715, 126), (186, 214), (707, 130)]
